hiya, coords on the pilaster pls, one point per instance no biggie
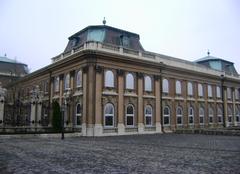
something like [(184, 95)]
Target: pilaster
[(98, 127), (157, 105), (140, 102), (121, 127)]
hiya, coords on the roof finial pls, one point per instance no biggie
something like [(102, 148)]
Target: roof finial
[(208, 52), (5, 55), (104, 21)]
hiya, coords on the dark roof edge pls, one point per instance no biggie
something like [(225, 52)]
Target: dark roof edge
[(15, 63), (103, 26)]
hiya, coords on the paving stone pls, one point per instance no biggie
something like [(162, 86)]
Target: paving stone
[(160, 153)]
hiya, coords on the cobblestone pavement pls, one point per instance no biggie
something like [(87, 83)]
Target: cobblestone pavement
[(164, 153)]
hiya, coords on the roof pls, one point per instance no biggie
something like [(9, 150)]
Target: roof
[(7, 60), (207, 58), (102, 27)]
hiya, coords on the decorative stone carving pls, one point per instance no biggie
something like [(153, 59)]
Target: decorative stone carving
[(120, 72), (139, 75), (85, 69), (98, 69)]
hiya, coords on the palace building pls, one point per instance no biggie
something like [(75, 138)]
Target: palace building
[(109, 85)]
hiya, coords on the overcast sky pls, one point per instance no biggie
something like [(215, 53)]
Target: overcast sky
[(34, 31)]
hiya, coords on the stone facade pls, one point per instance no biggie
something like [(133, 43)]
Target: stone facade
[(112, 90)]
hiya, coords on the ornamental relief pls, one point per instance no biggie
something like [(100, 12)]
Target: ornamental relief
[(77, 99), (167, 103), (149, 101), (132, 100), (109, 99)]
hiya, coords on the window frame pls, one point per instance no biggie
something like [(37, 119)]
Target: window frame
[(56, 84), (78, 115), (109, 115), (165, 86), (67, 82), (178, 87), (201, 116), (109, 77), (146, 87), (179, 115), (166, 116), (200, 90), (210, 115), (129, 115), (190, 85), (129, 85), (190, 115), (210, 91), (148, 116), (79, 79)]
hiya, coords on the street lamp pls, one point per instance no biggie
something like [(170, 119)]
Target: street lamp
[(66, 96)]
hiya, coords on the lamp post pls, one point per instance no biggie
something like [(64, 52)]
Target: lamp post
[(2, 99), (66, 96)]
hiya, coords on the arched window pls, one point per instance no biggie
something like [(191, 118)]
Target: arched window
[(200, 90), (190, 88), (229, 109), (109, 79), (210, 115), (237, 94), (67, 82), (238, 114), (218, 92), (129, 81), (178, 87), (79, 79), (148, 115), (201, 116), (209, 91), (78, 114), (147, 83), (109, 115), (190, 115), (220, 114), (56, 84), (130, 115), (229, 93), (166, 116), (179, 115), (165, 86)]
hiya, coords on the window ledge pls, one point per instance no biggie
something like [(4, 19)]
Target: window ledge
[(77, 93), (109, 93), (130, 94), (148, 96)]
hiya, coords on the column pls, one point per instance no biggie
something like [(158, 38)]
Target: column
[(51, 98), (234, 108), (71, 105), (225, 107), (61, 77), (90, 100), (157, 105), (98, 127), (140, 103), (121, 127), (84, 114)]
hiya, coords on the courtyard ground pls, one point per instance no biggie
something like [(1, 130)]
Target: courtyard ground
[(162, 153)]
